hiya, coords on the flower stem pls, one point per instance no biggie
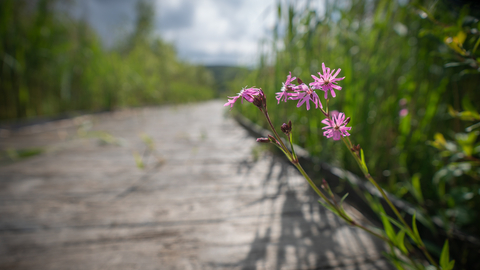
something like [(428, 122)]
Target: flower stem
[(363, 167), (335, 206), (289, 155), (293, 158), (290, 139)]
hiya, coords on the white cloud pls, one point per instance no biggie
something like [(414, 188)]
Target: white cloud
[(110, 18), (212, 32), (216, 31)]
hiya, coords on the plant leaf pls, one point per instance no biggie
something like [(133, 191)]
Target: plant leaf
[(364, 165), (417, 238), (417, 190), (341, 203), (388, 228), (343, 198), (445, 257), (400, 239), (326, 205)]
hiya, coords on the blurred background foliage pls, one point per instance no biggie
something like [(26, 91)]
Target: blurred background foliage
[(405, 64), (52, 64)]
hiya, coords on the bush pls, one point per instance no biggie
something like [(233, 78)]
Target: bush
[(53, 64)]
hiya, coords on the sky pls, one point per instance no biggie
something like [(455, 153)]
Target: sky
[(209, 32)]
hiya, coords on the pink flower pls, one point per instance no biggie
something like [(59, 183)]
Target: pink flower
[(336, 127), (247, 93), (333, 113), (403, 112), (304, 95), (327, 81), (287, 86)]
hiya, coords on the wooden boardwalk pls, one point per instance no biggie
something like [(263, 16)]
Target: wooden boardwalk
[(208, 199)]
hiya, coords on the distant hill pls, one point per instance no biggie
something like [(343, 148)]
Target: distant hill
[(225, 75)]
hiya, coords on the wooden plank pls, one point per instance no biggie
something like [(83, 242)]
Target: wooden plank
[(209, 204)]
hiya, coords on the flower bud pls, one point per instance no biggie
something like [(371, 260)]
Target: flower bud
[(299, 81), (270, 139), (326, 187), (263, 140), (287, 128), (260, 100), (325, 184), (356, 149)]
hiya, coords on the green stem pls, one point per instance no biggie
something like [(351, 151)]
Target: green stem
[(420, 243), (294, 160), (312, 184), (346, 218), (289, 155), (291, 147)]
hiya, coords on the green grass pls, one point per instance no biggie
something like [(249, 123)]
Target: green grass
[(53, 64), (11, 154), (392, 59)]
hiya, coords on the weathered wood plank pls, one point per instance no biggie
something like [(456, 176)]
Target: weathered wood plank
[(209, 204)]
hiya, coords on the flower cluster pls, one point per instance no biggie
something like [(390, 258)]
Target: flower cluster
[(326, 82), (306, 93), (336, 128), (303, 93)]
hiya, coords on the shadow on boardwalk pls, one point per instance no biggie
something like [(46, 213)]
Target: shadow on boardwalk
[(205, 201), (303, 241)]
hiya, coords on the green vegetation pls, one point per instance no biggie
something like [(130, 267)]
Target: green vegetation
[(225, 76), (394, 55), (51, 64), (10, 154)]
